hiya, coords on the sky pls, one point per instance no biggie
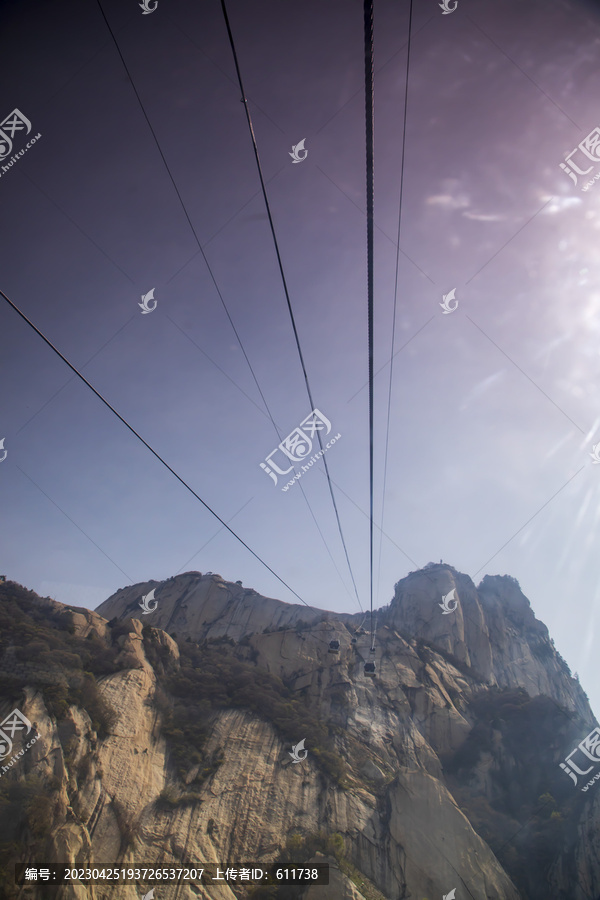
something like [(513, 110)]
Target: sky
[(144, 179)]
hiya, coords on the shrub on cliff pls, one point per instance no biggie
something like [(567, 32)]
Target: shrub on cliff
[(210, 679)]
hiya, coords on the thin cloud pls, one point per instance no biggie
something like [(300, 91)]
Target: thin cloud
[(481, 389), (447, 201), (484, 217)]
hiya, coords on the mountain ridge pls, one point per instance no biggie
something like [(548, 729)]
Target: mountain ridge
[(440, 772), (223, 609)]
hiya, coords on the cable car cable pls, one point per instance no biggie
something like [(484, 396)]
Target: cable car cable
[(210, 271), (147, 445), (373, 637), (183, 206), (369, 121), (387, 433), (285, 288)]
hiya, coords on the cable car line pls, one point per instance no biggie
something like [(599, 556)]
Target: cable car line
[(147, 445), (183, 206), (210, 271), (373, 636), (369, 97), (387, 433), (267, 415), (285, 287)]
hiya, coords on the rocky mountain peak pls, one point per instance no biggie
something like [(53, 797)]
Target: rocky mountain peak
[(491, 628), (442, 771)]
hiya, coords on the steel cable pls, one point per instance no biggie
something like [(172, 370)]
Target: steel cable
[(369, 122), (285, 287), (210, 271), (147, 445)]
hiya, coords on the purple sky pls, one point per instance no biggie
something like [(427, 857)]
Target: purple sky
[(494, 407)]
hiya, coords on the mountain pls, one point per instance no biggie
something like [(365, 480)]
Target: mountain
[(166, 736)]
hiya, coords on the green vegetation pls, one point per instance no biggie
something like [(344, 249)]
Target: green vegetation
[(528, 725), (493, 579), (171, 798), (39, 638), (210, 678), (542, 650), (63, 667), (524, 823), (81, 691), (38, 647), (526, 816), (299, 849), (26, 812)]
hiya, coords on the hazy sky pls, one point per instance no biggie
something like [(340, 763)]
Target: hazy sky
[(494, 407)]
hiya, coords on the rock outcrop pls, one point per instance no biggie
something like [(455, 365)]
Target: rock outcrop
[(493, 630), (442, 756)]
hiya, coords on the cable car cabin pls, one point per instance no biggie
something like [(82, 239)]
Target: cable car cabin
[(370, 669), (353, 641), (334, 646)]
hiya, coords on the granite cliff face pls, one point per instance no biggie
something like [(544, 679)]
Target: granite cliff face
[(493, 630), (441, 772)]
